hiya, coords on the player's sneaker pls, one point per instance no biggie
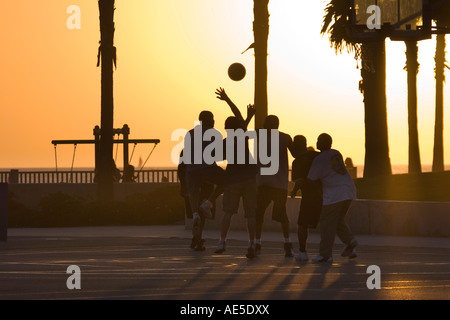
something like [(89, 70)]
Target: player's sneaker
[(350, 250), (250, 253), (302, 256), (288, 251), (199, 246), (220, 247), (206, 208), (319, 259)]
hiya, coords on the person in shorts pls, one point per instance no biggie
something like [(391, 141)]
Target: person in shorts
[(311, 192), (240, 178), (199, 174), (206, 189), (274, 188)]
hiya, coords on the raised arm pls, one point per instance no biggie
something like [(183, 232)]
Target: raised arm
[(250, 113), (222, 95)]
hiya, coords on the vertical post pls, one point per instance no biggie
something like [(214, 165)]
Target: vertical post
[(14, 176), (399, 16), (412, 68), (438, 148), (3, 211), (261, 35), (107, 52), (426, 18), (353, 12), (125, 133), (97, 148)]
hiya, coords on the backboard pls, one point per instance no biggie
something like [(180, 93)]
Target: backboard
[(397, 19)]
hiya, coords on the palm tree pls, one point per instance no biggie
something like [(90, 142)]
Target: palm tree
[(372, 86), (442, 18), (412, 68), (261, 35), (107, 56), (438, 148)]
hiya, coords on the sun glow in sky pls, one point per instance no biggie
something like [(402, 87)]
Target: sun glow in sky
[(172, 55)]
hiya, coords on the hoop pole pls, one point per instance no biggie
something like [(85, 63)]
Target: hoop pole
[(73, 161), (56, 164)]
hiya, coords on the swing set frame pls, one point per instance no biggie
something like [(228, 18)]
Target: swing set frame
[(125, 131)]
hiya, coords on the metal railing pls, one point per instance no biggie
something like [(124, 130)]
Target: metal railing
[(87, 176), (67, 176)]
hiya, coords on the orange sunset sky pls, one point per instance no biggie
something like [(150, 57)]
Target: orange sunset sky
[(172, 55)]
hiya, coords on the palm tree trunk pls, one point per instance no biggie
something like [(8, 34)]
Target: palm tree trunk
[(412, 68), (261, 35), (438, 149), (105, 172), (373, 86)]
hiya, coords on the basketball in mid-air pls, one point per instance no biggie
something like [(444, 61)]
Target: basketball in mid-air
[(236, 71)]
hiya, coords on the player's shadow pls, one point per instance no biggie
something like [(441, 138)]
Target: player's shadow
[(229, 284), (329, 279), (282, 289)]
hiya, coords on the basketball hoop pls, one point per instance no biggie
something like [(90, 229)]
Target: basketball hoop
[(399, 20)]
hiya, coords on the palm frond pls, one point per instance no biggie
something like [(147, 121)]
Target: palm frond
[(336, 24)]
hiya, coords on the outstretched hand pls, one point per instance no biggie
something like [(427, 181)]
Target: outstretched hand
[(251, 110), (221, 94)]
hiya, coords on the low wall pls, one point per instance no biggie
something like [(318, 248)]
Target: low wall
[(400, 218), (370, 217), (377, 217), (3, 211), (31, 194)]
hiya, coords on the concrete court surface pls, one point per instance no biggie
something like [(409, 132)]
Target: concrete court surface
[(156, 263)]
